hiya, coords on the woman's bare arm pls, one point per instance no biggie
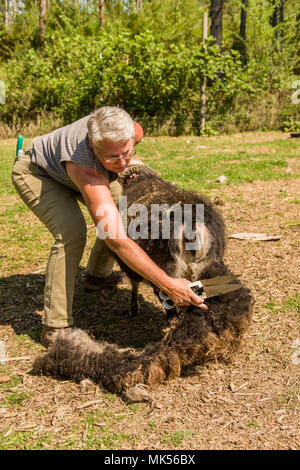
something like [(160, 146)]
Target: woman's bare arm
[(94, 188)]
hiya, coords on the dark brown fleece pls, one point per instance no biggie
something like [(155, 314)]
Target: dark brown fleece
[(194, 337)]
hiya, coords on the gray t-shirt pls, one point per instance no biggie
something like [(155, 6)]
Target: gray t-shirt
[(67, 144)]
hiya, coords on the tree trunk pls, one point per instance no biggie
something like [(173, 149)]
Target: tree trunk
[(43, 16), (277, 12), (243, 29), (102, 14), (216, 20), (277, 18), (243, 19), (5, 15), (15, 9), (203, 86)]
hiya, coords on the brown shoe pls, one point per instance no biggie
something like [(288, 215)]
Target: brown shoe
[(47, 335), (93, 283)]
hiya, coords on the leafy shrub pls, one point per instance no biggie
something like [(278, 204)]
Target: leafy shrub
[(148, 78)]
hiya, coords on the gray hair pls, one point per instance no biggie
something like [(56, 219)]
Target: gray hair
[(110, 123)]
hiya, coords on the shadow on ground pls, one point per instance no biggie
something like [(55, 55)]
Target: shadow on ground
[(104, 315)]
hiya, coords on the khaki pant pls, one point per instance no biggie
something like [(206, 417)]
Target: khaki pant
[(57, 208)]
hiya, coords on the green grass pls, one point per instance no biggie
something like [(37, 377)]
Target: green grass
[(294, 201), (100, 435), (290, 398), (25, 245), (23, 441), (15, 398), (182, 160), (176, 438), (254, 424), (197, 168), (14, 381), (291, 303)]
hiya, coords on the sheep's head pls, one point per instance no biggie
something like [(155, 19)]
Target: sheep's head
[(138, 169)]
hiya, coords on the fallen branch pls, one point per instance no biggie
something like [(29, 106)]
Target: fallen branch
[(233, 389), (38, 271), (21, 358), (89, 403), (255, 236)]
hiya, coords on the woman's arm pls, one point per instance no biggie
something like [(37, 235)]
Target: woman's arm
[(94, 188)]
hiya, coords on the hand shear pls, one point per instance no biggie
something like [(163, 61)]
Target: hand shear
[(206, 288)]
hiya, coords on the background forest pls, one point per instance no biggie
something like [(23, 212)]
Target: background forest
[(59, 60)]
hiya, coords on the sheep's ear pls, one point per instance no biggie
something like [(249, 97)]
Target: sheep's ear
[(175, 243), (175, 247)]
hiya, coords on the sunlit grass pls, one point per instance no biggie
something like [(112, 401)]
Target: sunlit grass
[(191, 162)]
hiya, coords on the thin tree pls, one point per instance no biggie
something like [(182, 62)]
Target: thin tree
[(102, 13), (15, 8), (277, 18), (243, 23), (5, 14), (137, 6), (43, 16), (203, 86), (216, 19)]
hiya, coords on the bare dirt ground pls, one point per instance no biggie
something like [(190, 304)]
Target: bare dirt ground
[(250, 403)]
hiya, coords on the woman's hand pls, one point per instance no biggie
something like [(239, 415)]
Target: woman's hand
[(181, 294)]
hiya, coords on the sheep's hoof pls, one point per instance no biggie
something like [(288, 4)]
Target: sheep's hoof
[(131, 313), (171, 317), (171, 313), (134, 312)]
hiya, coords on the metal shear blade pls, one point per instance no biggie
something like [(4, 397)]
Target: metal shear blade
[(206, 288), (214, 281), (220, 285), (213, 291)]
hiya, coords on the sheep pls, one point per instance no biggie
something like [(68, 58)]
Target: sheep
[(193, 336), (171, 254)]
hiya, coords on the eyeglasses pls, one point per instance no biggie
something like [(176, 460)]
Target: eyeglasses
[(116, 158)]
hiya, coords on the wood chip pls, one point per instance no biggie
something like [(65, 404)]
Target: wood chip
[(27, 427), (286, 427), (89, 403), (44, 444), (4, 379), (233, 389), (38, 271), (85, 433), (278, 412), (226, 400), (21, 358), (255, 236)]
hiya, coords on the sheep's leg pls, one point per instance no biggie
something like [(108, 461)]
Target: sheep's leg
[(170, 313), (135, 304)]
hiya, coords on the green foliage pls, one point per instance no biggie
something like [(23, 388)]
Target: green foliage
[(291, 126), (153, 64), (291, 303), (141, 74)]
